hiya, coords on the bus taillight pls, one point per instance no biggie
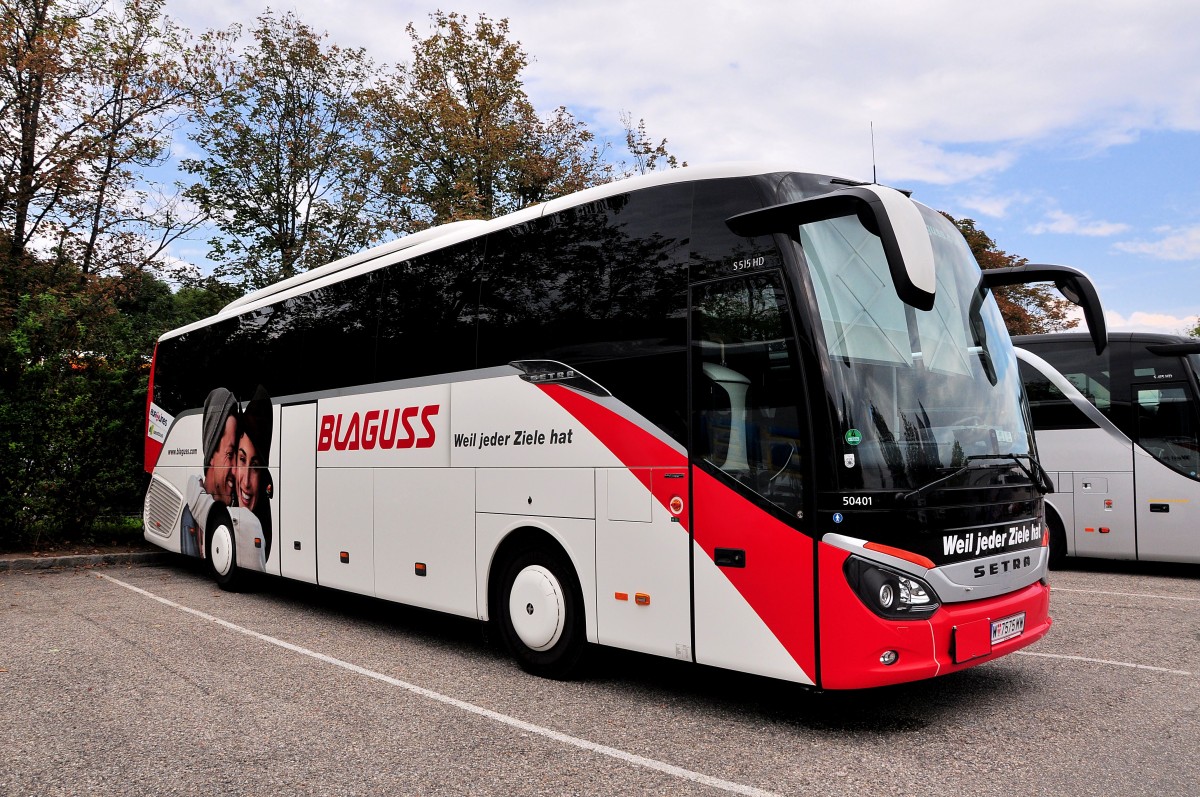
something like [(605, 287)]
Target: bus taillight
[(153, 447)]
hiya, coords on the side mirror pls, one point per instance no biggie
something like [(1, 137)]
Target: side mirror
[(1071, 282), (883, 211)]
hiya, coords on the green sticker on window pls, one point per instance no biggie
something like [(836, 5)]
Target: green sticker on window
[(853, 437)]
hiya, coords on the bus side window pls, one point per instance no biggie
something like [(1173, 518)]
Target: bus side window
[(427, 314), (1167, 427), (318, 340), (1047, 404), (746, 386), (1091, 374), (602, 288)]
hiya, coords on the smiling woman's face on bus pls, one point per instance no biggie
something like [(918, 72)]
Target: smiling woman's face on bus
[(248, 473)]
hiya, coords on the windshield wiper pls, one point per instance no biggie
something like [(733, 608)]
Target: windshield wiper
[(1036, 474), (1039, 477)]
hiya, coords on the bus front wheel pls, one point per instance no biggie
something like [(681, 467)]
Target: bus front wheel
[(541, 614)]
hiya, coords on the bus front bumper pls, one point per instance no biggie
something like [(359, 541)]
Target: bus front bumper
[(860, 649)]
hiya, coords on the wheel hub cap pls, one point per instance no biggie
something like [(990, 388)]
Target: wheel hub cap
[(537, 608)]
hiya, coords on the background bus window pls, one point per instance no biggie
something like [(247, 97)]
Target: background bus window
[(1091, 374), (1048, 406), (747, 384), (1167, 427)]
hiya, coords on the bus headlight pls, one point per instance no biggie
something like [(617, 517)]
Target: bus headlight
[(889, 593)]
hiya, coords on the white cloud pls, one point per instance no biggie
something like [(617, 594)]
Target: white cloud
[(1138, 321), (1058, 221), (995, 206), (955, 91), (1175, 244), (1148, 322)]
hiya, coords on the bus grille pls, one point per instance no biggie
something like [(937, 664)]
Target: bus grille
[(163, 504)]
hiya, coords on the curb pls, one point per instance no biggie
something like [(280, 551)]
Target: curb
[(16, 563)]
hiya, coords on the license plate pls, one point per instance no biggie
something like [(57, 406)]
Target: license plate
[(1008, 627)]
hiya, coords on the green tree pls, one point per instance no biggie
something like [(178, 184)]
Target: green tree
[(89, 93), (647, 156), (75, 360), (460, 134), (1027, 309), (287, 176)]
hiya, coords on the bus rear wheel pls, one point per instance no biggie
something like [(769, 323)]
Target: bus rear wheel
[(540, 607), (221, 550)]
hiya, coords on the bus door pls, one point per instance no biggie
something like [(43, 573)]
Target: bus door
[(1167, 471), (752, 566), (296, 494)]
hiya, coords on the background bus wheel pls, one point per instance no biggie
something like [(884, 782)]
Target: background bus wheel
[(541, 614), (221, 551), (1058, 543)]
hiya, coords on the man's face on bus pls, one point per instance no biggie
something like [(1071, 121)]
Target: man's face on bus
[(219, 477), (248, 473)]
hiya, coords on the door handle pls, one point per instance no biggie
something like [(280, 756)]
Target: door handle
[(729, 557)]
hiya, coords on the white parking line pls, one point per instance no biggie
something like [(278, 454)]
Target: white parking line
[(1125, 594), (1103, 661), (584, 744)]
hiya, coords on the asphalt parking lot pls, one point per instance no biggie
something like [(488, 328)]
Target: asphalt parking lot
[(147, 679)]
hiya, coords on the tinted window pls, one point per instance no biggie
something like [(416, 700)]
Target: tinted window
[(715, 251), (320, 340), (602, 288), (1167, 427), (747, 383), (1148, 367), (1047, 404), (187, 367), (427, 314), (1089, 372), (1166, 410)]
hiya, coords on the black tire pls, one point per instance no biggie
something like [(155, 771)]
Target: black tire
[(547, 638), (1058, 542), (220, 549)]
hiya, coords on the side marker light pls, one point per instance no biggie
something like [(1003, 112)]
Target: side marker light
[(900, 553)]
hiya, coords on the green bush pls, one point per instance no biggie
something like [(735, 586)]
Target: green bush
[(76, 359)]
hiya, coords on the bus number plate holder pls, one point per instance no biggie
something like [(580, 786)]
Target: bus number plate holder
[(971, 640)]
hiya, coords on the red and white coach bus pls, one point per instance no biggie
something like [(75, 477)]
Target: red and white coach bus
[(745, 417)]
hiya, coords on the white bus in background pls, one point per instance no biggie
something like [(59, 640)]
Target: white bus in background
[(1119, 433), (752, 418)]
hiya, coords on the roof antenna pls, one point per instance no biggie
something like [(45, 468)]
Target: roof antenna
[(874, 176)]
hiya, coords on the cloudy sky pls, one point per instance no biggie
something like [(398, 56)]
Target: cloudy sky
[(1070, 131)]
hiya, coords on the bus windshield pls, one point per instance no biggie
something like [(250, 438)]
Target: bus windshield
[(915, 392)]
